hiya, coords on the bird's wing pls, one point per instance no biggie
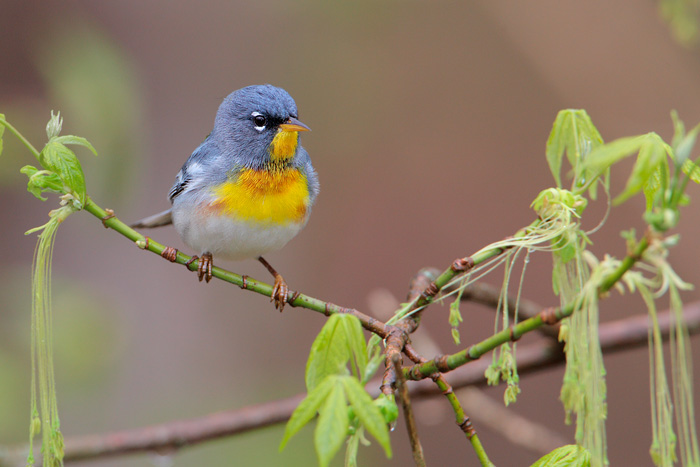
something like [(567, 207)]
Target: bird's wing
[(157, 220)]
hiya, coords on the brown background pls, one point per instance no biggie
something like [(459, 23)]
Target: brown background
[(429, 127)]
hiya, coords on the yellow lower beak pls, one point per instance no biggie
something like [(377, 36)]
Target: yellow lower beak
[(292, 124)]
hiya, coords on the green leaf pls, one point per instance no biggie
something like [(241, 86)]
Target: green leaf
[(387, 406), (685, 147), (57, 158), (655, 185), (329, 353), (571, 455), (2, 130), (355, 341), (604, 156), (76, 140), (678, 129), (572, 133), (41, 180), (556, 144), (376, 358), (332, 426), (307, 409), (682, 143), (340, 340), (455, 318), (692, 170), (652, 154), (367, 412)]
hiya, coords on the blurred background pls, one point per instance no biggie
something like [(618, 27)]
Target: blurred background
[(429, 127)]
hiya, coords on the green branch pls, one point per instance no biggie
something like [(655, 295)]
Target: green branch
[(296, 299), (20, 137)]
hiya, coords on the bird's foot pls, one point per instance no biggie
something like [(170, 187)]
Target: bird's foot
[(280, 293), (204, 266)]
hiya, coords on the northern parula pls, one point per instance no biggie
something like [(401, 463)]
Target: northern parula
[(248, 188)]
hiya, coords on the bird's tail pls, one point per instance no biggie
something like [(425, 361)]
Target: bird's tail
[(156, 220)]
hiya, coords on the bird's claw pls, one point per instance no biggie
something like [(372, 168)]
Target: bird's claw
[(204, 267), (280, 293)]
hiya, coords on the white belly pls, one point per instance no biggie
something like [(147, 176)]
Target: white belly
[(228, 238)]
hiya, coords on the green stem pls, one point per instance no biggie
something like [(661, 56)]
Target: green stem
[(625, 266), (463, 421), (20, 137), (480, 452)]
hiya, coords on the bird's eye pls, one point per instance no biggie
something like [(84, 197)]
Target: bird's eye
[(259, 120)]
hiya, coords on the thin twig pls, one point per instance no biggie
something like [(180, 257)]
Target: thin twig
[(402, 389)]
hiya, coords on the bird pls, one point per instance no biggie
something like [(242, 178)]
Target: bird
[(248, 188)]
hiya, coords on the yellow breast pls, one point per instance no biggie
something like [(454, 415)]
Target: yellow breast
[(264, 196)]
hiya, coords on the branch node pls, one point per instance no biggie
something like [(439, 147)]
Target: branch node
[(469, 354), (110, 214), (447, 391), (143, 244), (169, 253), (430, 291), (190, 261), (441, 364), (549, 316), (514, 337), (467, 427), (462, 264), (244, 282), (293, 298), (327, 309)]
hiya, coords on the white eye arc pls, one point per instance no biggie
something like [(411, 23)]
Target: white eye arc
[(259, 121)]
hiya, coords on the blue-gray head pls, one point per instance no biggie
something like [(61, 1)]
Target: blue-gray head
[(259, 125)]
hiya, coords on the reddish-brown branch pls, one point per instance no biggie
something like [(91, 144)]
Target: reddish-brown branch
[(404, 398), (614, 336), (398, 335)]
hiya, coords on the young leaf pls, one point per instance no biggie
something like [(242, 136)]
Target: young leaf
[(556, 144), (307, 409), (356, 342), (387, 406), (678, 129), (455, 318), (652, 154), (329, 352), (692, 170), (367, 412), (332, 426), (604, 156), (54, 126), (571, 455), (683, 143), (573, 132), (2, 130), (375, 358), (655, 185), (62, 161), (41, 180), (76, 140)]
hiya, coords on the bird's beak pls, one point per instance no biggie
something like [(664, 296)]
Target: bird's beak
[(292, 124)]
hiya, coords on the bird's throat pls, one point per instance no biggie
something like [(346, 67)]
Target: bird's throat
[(284, 145)]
